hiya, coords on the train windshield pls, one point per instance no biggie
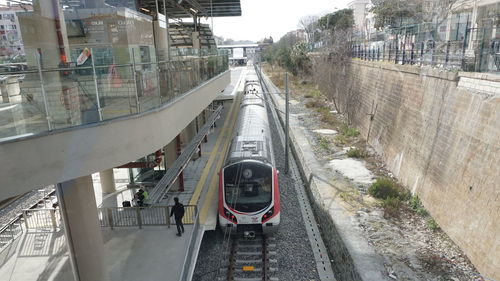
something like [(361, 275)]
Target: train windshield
[(248, 186)]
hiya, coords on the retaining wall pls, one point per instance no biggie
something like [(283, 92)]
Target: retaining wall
[(439, 133)]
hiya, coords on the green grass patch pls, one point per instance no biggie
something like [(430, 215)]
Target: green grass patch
[(348, 131), (416, 205), (432, 224), (313, 93), (356, 153), (324, 143), (315, 104), (341, 140), (391, 206), (384, 188)]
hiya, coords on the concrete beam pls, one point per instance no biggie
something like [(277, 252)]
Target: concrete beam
[(67, 154)]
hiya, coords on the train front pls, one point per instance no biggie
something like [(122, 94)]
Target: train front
[(248, 198)]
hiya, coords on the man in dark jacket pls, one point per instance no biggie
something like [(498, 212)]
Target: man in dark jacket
[(178, 213)]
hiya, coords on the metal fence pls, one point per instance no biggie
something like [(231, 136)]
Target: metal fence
[(143, 216), (42, 219), (50, 219), (480, 54), (449, 54)]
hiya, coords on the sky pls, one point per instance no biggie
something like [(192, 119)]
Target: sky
[(264, 18)]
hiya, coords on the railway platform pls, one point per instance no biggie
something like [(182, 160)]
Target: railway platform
[(135, 250)]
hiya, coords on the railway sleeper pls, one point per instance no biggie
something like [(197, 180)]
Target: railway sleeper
[(239, 261), (249, 253), (247, 279)]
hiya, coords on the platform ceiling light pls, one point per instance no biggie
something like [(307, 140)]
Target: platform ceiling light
[(193, 10), (145, 10)]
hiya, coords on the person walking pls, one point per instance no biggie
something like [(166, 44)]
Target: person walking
[(178, 213)]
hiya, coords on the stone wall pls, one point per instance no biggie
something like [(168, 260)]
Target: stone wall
[(439, 133)]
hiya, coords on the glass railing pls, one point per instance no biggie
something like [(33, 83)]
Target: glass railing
[(109, 84)]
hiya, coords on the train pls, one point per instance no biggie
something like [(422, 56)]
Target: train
[(249, 198)]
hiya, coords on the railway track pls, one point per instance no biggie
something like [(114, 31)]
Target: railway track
[(250, 259)]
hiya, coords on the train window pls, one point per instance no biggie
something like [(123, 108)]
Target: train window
[(248, 186)]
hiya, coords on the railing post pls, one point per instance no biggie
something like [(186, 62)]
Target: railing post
[(94, 73), (167, 215), (158, 80), (447, 53), (422, 53), (396, 55), (389, 55), (109, 211), (25, 216), (134, 74), (432, 52), (412, 53), (53, 219), (139, 219), (12, 231), (464, 45), (44, 94), (383, 52), (403, 61)]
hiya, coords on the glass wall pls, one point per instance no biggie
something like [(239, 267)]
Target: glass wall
[(84, 62)]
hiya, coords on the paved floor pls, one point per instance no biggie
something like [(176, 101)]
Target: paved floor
[(131, 254)]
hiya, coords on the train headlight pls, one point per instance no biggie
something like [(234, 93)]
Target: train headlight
[(268, 214), (230, 216)]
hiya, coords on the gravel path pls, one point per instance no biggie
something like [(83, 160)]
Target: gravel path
[(295, 256)]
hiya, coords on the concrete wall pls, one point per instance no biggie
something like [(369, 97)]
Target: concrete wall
[(66, 154), (439, 133)]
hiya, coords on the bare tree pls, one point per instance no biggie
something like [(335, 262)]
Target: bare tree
[(331, 70), (309, 25)]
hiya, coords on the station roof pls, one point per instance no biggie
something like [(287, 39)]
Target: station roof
[(189, 8)]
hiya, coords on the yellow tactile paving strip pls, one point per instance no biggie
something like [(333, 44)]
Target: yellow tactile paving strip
[(212, 188), (211, 159)]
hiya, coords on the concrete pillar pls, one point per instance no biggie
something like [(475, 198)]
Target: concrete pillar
[(170, 156), (204, 118), (107, 181), (83, 232), (188, 134), (195, 37)]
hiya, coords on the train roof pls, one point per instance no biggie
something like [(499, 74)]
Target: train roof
[(249, 147)]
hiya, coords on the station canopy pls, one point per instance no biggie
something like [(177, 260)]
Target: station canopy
[(199, 8)]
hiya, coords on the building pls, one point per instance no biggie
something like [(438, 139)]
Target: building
[(360, 9), (11, 42)]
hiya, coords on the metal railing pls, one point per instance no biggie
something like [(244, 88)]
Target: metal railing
[(42, 219), (143, 216), (43, 98), (480, 55), (10, 232), (188, 259), (14, 228), (50, 219), (164, 185)]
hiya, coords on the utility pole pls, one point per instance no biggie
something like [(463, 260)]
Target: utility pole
[(286, 123)]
